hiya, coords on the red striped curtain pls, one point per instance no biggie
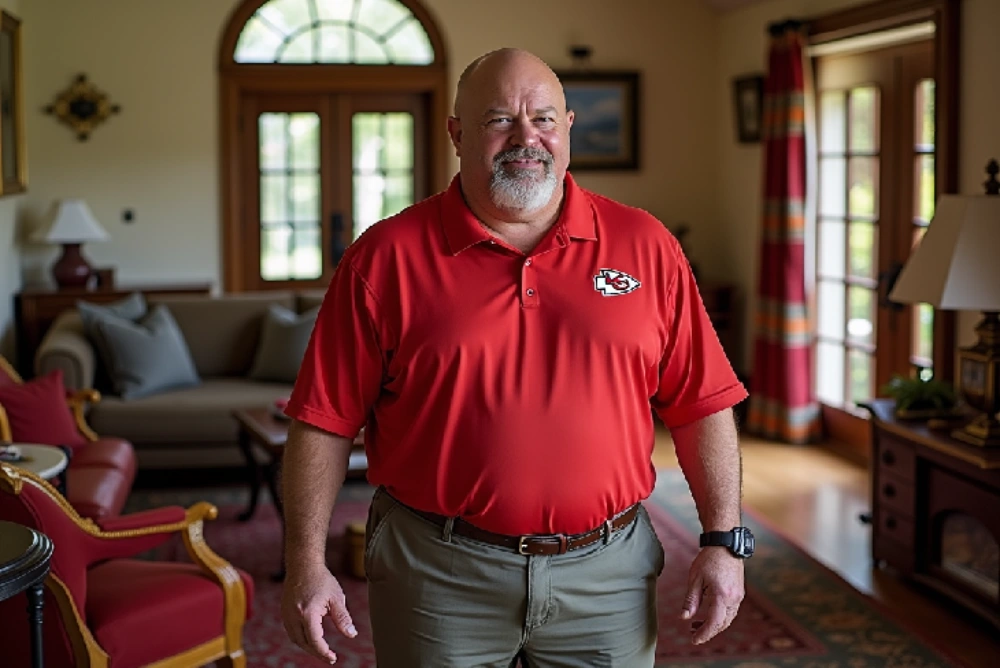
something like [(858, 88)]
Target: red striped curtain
[(782, 403)]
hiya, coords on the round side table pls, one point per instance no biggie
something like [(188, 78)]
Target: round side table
[(24, 562), (45, 461)]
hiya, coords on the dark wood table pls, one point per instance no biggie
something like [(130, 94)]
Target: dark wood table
[(936, 508), (263, 428), (25, 555)]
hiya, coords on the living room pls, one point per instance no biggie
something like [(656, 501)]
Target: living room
[(157, 172)]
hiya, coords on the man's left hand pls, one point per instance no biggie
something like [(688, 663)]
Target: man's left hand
[(715, 591)]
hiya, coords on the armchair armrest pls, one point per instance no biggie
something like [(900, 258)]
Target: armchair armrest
[(234, 593), (78, 401), (5, 434), (66, 347), (132, 534)]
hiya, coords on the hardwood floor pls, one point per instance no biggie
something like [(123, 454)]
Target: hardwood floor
[(815, 498)]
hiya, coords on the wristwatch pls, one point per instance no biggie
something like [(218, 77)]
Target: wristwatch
[(739, 540)]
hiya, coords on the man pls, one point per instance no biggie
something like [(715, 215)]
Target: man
[(503, 342)]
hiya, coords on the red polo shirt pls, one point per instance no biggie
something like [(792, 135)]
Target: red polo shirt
[(513, 390)]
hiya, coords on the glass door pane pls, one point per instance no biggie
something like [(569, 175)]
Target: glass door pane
[(382, 166), (290, 196), (922, 315), (847, 244)]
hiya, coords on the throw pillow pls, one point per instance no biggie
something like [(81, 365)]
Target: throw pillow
[(38, 412), (148, 356), (131, 308), (284, 337)]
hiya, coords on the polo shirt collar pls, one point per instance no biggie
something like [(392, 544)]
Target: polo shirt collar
[(463, 230)]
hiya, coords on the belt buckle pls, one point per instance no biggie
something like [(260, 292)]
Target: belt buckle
[(522, 545)]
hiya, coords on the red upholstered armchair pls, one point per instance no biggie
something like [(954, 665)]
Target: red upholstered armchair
[(106, 609), (101, 469)]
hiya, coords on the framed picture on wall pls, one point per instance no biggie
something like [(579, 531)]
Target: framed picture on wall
[(605, 132), (13, 171), (748, 101)]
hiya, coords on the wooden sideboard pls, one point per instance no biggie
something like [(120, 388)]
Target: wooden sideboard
[(35, 309), (936, 509)]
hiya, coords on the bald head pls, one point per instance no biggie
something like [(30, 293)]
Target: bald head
[(510, 130), (486, 74)]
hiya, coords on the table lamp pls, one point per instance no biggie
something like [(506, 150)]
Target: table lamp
[(957, 267), (71, 225)]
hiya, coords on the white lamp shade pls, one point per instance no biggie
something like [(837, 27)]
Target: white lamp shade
[(72, 223), (956, 266)]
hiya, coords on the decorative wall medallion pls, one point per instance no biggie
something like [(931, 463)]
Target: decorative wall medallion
[(82, 107)]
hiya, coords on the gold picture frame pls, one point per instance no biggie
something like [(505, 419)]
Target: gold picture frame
[(13, 160)]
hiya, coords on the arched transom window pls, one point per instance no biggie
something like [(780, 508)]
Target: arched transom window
[(363, 32)]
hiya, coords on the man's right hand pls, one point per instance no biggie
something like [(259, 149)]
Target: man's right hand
[(308, 596)]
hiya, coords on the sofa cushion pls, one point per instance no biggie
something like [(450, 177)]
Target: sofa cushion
[(96, 491), (310, 299), (131, 308), (283, 340), (191, 415), (222, 332), (38, 413), (147, 357)]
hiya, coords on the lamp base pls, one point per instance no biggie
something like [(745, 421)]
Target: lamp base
[(979, 379), (71, 270), (983, 431)]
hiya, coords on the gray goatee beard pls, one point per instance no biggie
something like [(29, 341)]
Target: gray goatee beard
[(522, 190)]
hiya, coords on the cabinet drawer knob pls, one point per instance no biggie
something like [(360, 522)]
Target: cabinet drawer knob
[(888, 458), (889, 489), (890, 523)]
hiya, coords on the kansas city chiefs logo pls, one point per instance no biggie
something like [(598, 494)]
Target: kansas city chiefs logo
[(611, 282)]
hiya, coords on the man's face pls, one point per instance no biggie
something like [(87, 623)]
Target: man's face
[(513, 136)]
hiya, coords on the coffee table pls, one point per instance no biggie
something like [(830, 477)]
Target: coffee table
[(262, 427)]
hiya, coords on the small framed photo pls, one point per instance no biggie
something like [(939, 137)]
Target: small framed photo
[(605, 133), (748, 99)]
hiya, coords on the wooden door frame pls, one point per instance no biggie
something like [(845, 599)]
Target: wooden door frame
[(946, 15), (238, 79)]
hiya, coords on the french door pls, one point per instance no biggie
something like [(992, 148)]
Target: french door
[(319, 169), (876, 182)]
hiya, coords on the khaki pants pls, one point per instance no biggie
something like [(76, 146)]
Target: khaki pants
[(445, 601)]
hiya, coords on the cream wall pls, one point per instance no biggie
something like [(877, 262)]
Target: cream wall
[(742, 48), (10, 276), (159, 157)]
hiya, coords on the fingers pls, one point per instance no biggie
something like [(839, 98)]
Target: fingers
[(693, 598), (304, 605), (342, 620), (315, 643), (718, 617), (298, 634)]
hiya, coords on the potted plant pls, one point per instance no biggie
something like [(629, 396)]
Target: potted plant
[(922, 399)]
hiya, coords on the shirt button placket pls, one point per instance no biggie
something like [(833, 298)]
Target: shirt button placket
[(530, 295)]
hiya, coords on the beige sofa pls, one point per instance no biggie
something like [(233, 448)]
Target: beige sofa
[(191, 427)]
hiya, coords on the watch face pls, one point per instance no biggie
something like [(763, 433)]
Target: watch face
[(743, 543)]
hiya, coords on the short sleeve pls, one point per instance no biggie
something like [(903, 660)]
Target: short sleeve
[(342, 370), (696, 378)]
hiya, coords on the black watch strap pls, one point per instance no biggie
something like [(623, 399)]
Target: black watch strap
[(717, 538), (739, 541)]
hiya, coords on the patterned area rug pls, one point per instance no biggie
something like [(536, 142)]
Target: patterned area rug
[(796, 612)]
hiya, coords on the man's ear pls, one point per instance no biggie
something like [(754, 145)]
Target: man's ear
[(455, 132), (570, 115)]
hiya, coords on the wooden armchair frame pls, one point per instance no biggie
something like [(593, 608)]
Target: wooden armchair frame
[(77, 400), (227, 649)]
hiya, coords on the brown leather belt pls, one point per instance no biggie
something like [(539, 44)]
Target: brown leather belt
[(536, 544)]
